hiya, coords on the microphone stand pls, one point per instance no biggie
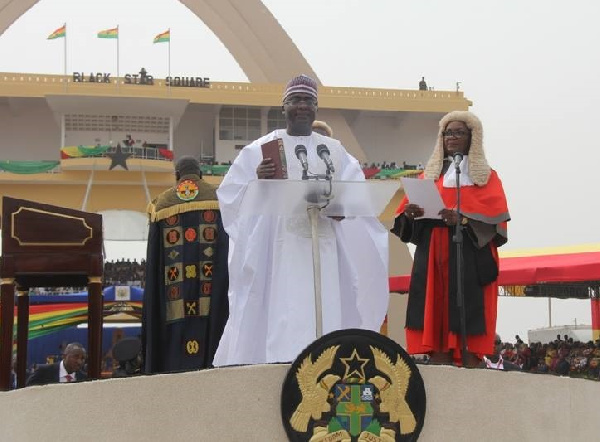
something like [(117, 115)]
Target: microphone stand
[(460, 294), (313, 214)]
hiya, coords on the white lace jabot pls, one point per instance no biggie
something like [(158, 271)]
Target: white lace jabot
[(450, 175)]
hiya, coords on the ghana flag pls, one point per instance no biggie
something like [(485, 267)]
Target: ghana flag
[(109, 33), (164, 37), (59, 33)]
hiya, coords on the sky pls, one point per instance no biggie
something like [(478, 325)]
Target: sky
[(531, 68)]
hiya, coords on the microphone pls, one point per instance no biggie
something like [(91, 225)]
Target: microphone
[(300, 151), (458, 157), (323, 152)]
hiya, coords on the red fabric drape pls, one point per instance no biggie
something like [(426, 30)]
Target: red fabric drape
[(371, 172), (166, 153)]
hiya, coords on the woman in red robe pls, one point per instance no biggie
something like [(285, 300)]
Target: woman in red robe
[(433, 318)]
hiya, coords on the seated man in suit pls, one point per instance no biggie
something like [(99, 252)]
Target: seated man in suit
[(68, 370)]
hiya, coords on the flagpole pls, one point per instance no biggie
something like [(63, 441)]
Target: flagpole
[(169, 63), (118, 57), (65, 57)]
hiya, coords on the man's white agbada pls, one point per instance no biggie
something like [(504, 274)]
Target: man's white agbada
[(271, 290)]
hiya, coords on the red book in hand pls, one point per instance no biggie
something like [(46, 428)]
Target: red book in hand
[(274, 150)]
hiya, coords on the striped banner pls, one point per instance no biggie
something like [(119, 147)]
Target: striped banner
[(59, 33), (164, 37), (109, 33)]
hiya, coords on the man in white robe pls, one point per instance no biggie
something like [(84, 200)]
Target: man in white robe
[(271, 286)]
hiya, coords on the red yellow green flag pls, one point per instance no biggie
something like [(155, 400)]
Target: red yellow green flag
[(59, 33), (164, 37), (109, 33)]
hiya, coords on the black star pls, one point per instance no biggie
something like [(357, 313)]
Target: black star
[(118, 158), (355, 366)]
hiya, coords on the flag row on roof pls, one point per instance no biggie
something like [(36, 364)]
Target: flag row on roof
[(61, 32)]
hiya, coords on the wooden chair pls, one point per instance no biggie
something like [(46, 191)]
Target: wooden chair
[(47, 246)]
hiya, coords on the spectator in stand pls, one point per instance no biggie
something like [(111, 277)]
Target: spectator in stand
[(518, 339), (433, 318), (551, 356), (524, 356), (562, 366)]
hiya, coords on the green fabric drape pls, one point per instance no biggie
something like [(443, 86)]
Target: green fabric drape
[(28, 167), (92, 151), (387, 173)]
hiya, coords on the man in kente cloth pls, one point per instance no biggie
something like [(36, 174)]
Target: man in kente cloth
[(185, 298)]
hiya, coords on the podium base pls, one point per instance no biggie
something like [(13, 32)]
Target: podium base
[(243, 403)]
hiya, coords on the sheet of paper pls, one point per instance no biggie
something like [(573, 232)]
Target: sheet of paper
[(425, 194)]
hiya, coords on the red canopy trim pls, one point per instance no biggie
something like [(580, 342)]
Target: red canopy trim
[(529, 270), (571, 267)]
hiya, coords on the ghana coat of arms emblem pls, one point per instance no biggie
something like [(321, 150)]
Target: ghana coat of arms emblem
[(353, 386)]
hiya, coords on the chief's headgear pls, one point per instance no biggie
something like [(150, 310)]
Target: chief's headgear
[(301, 84)]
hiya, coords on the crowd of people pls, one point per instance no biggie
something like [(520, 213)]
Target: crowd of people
[(120, 272), (124, 272), (563, 357), (392, 165)]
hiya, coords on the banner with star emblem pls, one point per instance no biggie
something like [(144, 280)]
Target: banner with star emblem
[(353, 386)]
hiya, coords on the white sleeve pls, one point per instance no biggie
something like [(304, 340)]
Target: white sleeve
[(351, 169), (231, 191)]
